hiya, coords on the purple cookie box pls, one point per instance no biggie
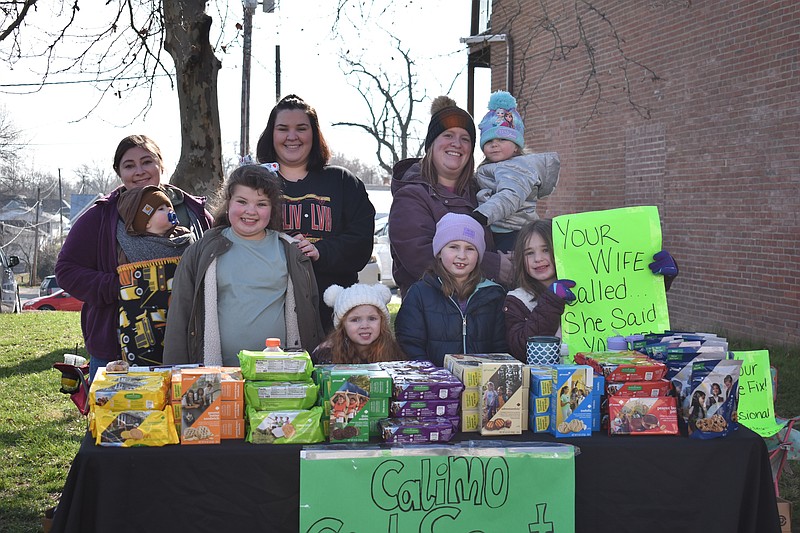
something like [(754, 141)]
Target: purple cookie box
[(439, 385), (424, 408), (416, 430)]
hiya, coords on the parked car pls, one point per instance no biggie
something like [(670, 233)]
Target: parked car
[(9, 291), (49, 286), (58, 301), (379, 268), (383, 252)]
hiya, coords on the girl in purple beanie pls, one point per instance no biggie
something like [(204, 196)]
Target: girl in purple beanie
[(453, 308)]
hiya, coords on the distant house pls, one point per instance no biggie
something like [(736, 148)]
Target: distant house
[(80, 203)]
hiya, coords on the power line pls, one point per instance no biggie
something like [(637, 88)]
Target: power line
[(43, 83)]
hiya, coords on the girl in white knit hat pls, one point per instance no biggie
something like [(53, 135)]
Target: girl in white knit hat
[(361, 333)]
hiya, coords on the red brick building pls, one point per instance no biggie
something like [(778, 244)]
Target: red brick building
[(714, 141)]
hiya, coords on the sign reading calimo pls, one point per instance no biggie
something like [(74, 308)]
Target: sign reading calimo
[(438, 489)]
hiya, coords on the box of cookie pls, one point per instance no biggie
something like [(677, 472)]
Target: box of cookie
[(466, 367), (436, 385), (572, 401), (623, 365), (416, 430), (642, 416), (349, 416), (371, 378), (201, 405), (424, 408), (502, 397), (639, 389)]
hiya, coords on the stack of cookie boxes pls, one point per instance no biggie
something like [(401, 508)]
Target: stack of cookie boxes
[(130, 408), (494, 400), (637, 397), (280, 397), (208, 404), (424, 405), (354, 398)]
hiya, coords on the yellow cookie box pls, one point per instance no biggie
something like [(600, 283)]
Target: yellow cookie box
[(134, 428), (131, 391)]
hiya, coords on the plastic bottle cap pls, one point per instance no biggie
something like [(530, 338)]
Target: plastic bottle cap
[(273, 342)]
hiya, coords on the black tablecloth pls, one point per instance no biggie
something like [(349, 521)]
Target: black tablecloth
[(622, 484)]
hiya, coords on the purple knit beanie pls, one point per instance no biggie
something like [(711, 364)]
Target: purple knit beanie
[(455, 227)]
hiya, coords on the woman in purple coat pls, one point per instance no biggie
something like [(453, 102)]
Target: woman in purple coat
[(87, 263), (423, 190)]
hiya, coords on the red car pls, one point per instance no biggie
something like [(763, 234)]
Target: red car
[(58, 301)]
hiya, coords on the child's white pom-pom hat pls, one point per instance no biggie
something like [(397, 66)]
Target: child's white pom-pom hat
[(343, 300)]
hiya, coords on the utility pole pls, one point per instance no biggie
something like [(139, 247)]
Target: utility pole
[(244, 141), (36, 238), (60, 209)]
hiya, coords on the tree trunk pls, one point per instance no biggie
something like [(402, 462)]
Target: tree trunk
[(199, 170)]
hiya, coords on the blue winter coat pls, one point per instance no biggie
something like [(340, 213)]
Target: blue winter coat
[(430, 324)]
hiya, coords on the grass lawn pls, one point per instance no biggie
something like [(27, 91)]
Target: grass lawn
[(40, 428)]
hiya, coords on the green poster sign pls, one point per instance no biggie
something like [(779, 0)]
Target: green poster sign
[(607, 254), (438, 489), (756, 409)]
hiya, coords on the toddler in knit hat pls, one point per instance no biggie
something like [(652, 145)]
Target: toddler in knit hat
[(510, 180), (361, 321), (150, 227)]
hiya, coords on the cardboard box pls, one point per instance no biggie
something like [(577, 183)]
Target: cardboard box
[(541, 380), (231, 429), (470, 420), (642, 416), (502, 397), (623, 366), (785, 515), (230, 410), (200, 405), (639, 389), (572, 401), (465, 366), (232, 383), (470, 399)]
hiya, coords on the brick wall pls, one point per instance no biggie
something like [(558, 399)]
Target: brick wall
[(715, 143)]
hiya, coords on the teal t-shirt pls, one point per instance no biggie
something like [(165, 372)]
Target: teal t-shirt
[(251, 292)]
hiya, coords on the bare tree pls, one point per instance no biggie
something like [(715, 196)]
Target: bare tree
[(367, 174), (390, 101), (126, 54), (9, 138), (95, 178)]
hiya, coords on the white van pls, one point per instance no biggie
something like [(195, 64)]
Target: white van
[(9, 292)]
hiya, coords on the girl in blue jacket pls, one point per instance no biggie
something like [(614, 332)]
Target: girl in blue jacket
[(453, 308)]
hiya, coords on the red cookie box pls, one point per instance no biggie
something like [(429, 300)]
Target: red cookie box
[(642, 416), (622, 366), (639, 389)]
